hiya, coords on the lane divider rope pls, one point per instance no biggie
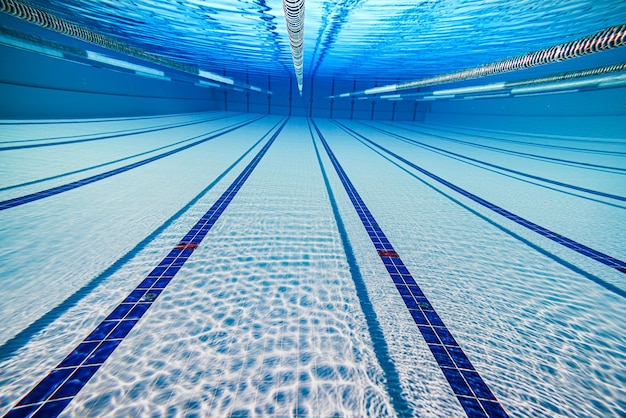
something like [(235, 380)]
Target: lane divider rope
[(609, 38)]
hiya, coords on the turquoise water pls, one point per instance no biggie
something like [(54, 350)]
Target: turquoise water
[(508, 212)]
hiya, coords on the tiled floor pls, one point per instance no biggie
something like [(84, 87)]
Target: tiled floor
[(281, 305)]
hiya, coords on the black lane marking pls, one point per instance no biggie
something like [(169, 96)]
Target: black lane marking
[(470, 389), (93, 167), (82, 120), (560, 147), (50, 397), (438, 189), (381, 349)]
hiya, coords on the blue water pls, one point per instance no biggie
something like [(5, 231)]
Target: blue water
[(508, 214), (347, 38)]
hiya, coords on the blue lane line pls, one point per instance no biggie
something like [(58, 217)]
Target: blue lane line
[(527, 181), (605, 259), (533, 182), (553, 160), (18, 201), (470, 389), (549, 137), (62, 384), (72, 121), (498, 167)]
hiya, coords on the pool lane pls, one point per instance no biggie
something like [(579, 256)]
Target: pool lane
[(69, 239), (10, 347), (588, 252), (263, 320), (52, 395), (559, 161), (22, 200), (115, 392), (111, 162), (108, 135), (469, 387), (498, 167), (540, 139)]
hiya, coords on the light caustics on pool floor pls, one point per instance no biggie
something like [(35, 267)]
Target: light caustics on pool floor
[(214, 264)]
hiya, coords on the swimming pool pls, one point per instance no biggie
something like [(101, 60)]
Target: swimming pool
[(265, 316), (274, 255)]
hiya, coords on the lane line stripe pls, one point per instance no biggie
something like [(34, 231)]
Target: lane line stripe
[(533, 182), (542, 145), (50, 396), (22, 200), (589, 252), (475, 211), (541, 137), (87, 120), (470, 389)]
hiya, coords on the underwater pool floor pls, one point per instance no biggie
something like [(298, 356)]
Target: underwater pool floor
[(229, 264)]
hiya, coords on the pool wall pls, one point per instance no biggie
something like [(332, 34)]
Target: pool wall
[(40, 86), (53, 86), (43, 87)]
